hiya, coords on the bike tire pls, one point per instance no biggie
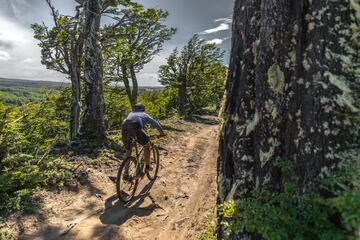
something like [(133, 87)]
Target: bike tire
[(122, 195), (154, 162)]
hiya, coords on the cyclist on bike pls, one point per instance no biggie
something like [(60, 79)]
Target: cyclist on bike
[(133, 128)]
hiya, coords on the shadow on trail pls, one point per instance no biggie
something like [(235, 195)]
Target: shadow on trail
[(118, 213), (172, 128), (203, 119)]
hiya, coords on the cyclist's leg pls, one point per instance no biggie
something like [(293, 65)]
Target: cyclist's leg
[(147, 154), (128, 153), (129, 132), (144, 140), (126, 139)]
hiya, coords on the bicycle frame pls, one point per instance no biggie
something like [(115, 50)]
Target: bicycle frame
[(139, 150), (139, 170), (137, 155)]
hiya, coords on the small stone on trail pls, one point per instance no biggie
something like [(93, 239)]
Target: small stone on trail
[(184, 195)]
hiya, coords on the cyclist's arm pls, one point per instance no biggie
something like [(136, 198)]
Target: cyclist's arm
[(153, 123)]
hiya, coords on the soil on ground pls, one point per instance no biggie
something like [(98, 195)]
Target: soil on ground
[(175, 206)]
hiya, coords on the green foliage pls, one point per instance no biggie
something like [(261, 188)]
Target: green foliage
[(57, 43), (292, 214), (117, 106), (198, 75), (6, 139), (344, 183), (133, 42), (348, 206), (287, 215), (26, 135), (209, 232), (19, 92), (43, 123), (20, 96), (158, 104), (137, 41), (18, 182)]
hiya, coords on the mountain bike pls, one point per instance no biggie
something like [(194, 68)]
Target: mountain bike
[(133, 169)]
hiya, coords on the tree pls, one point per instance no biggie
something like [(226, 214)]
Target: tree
[(93, 122), (194, 72), (139, 36), (61, 50), (292, 93)]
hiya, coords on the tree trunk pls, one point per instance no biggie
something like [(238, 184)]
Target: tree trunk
[(75, 106), (290, 95), (182, 97), (76, 55), (93, 123), (135, 88), (125, 78)]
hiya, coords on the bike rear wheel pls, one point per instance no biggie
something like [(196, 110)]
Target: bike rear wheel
[(127, 180), (154, 163)]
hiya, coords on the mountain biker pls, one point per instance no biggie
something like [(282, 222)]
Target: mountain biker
[(133, 128)]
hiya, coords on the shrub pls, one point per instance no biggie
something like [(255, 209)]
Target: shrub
[(292, 214), (26, 135), (158, 104), (117, 106), (287, 215)]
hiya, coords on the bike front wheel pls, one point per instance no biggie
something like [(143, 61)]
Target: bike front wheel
[(154, 163), (127, 180)]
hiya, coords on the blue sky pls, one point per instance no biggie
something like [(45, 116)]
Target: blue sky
[(20, 55)]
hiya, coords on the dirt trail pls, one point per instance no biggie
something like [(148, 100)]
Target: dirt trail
[(176, 207)]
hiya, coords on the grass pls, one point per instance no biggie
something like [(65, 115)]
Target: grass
[(209, 231)]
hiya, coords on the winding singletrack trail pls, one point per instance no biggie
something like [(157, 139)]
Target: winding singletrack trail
[(175, 206)]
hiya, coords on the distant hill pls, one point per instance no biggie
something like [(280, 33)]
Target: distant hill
[(19, 91), (6, 82)]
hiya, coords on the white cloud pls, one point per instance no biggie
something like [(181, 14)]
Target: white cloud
[(225, 20), (149, 75), (28, 61), (4, 56), (221, 27), (148, 79), (25, 54), (217, 41), (224, 25)]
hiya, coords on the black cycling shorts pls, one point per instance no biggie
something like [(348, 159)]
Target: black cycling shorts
[(133, 130)]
